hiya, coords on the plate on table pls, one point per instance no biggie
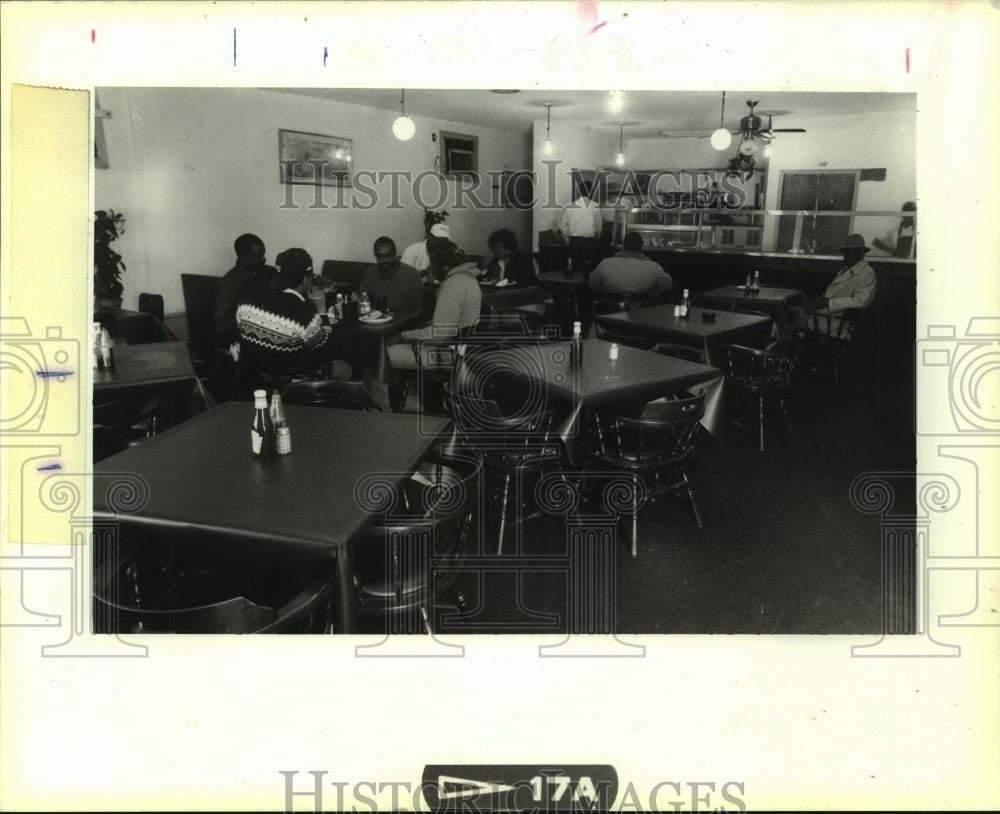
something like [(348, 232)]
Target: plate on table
[(502, 283), (376, 318), (487, 282), (741, 288)]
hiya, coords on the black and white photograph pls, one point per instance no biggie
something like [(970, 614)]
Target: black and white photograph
[(618, 377)]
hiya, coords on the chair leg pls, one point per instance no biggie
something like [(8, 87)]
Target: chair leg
[(503, 513), (788, 424), (694, 505), (761, 423), (635, 516)]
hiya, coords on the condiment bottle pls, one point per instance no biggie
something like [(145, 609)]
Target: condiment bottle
[(277, 410), (96, 348), (576, 346), (685, 302), (569, 266), (613, 351), (756, 282), (106, 352), (262, 428)]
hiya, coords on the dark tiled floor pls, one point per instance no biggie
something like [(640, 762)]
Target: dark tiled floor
[(782, 550)]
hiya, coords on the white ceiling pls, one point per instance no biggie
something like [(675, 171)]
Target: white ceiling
[(645, 113)]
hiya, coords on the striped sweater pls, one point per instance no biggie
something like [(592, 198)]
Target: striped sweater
[(280, 332)]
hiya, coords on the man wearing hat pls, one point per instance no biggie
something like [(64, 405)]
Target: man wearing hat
[(416, 253), (281, 333), (853, 287)]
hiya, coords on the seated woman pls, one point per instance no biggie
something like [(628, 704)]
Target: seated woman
[(281, 334), (506, 261)]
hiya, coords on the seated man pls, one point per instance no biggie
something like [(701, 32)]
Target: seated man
[(853, 287), (630, 272), (249, 274), (458, 304), (416, 254), (392, 280), (506, 261), (281, 334)]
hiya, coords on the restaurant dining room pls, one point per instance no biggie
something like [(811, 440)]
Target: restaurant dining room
[(472, 361)]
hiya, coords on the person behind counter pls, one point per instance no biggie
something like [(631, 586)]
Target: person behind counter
[(900, 241)]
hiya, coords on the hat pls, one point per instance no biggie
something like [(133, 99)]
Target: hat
[(855, 242), (440, 230), (909, 206)]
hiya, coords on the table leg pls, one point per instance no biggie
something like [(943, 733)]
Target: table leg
[(342, 599)]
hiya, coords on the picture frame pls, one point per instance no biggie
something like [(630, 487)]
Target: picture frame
[(314, 159)]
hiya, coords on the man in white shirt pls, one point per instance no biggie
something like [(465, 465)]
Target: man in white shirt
[(416, 253), (900, 241), (581, 225)]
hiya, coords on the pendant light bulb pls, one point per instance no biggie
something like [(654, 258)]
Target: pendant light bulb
[(620, 158), (547, 147), (403, 128), (768, 151), (617, 101), (722, 138)]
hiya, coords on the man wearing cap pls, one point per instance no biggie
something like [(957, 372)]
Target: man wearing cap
[(416, 253), (853, 287), (280, 331), (899, 241)]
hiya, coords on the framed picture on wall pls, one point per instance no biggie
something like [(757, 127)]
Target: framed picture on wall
[(310, 158)]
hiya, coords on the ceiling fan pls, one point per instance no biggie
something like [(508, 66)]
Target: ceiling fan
[(749, 128)]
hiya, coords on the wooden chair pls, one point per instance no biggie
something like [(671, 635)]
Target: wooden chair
[(763, 374), (172, 586), (657, 444), (833, 336), (152, 304), (125, 420), (412, 557), (679, 352), (519, 445)]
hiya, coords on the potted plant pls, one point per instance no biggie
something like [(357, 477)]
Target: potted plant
[(108, 265)]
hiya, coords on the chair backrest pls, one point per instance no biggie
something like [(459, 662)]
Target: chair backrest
[(152, 304), (772, 368), (434, 520), (679, 352), (638, 342), (346, 272), (344, 395), (665, 432), (200, 294)]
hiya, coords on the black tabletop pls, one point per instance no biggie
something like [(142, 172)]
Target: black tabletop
[(636, 376), (146, 365), (201, 474), (511, 296), (662, 318), (134, 327)]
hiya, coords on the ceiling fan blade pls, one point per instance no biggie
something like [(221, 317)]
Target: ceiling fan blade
[(788, 130)]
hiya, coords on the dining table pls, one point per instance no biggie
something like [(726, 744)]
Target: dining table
[(200, 477), (659, 323), (146, 365), (364, 345), (627, 383), (134, 327), (770, 300)]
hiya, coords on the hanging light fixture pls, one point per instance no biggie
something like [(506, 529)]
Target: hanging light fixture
[(617, 100), (768, 151), (722, 138), (403, 128), (547, 147), (620, 158)]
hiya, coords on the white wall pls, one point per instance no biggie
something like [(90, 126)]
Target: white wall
[(192, 168), (849, 142), (574, 147)]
